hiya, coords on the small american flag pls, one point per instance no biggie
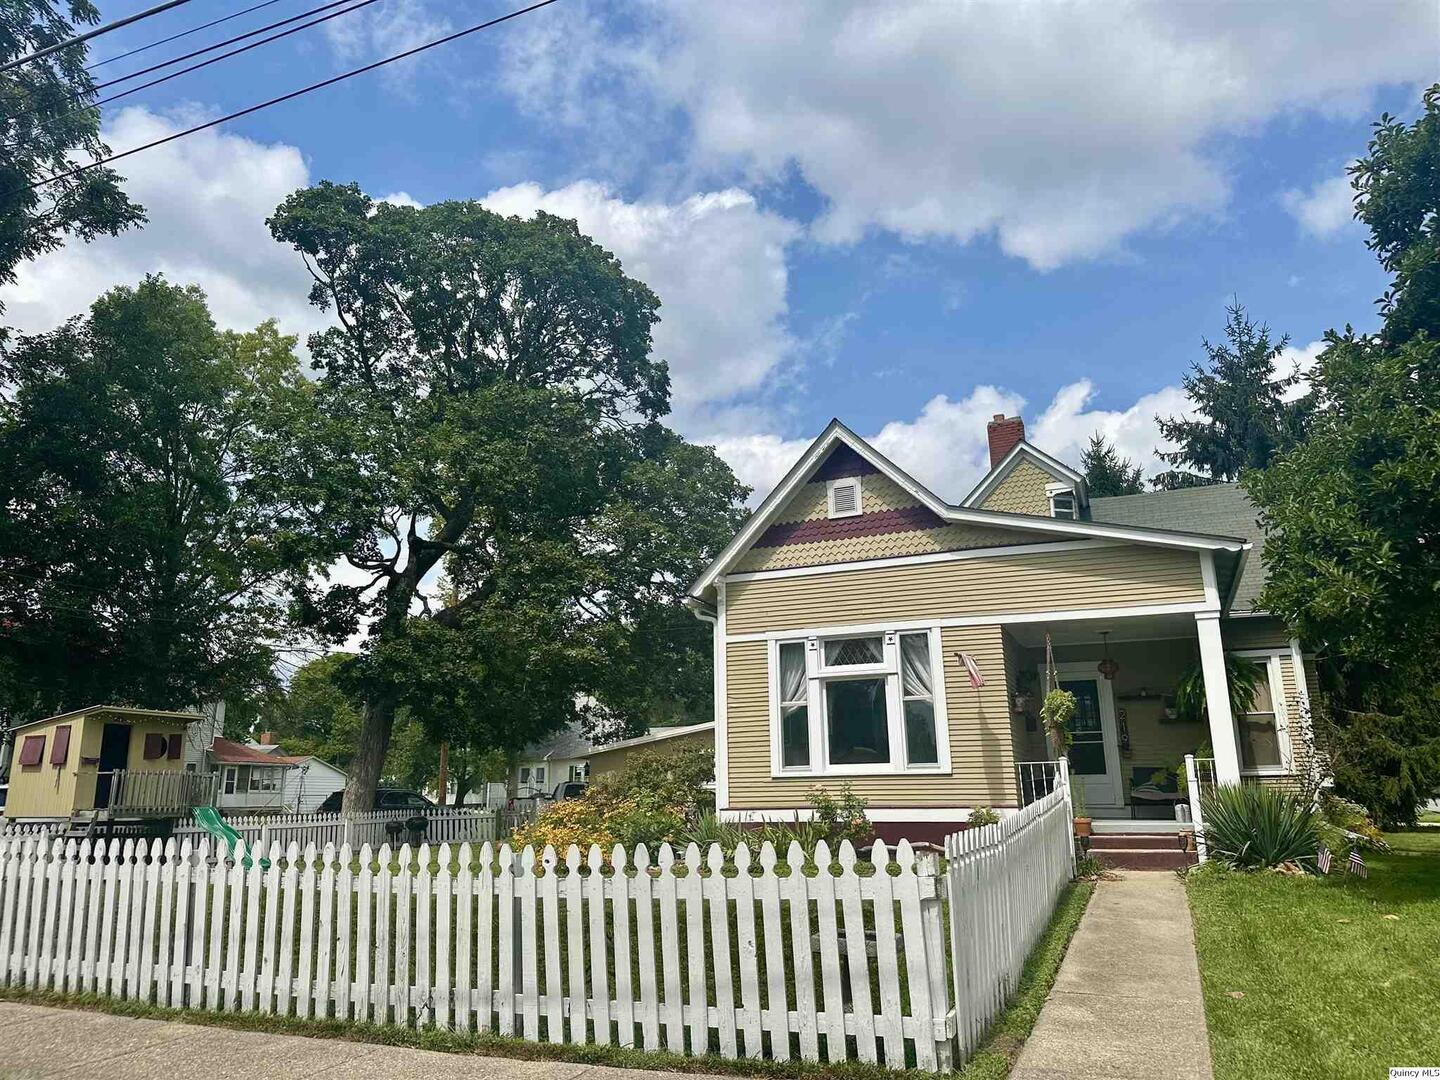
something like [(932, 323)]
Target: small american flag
[(1357, 864), (972, 669), (1322, 859)]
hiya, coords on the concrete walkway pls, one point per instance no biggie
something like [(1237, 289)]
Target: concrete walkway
[(42, 1042), (1126, 1003)]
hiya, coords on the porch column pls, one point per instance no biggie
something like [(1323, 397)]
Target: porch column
[(1217, 698)]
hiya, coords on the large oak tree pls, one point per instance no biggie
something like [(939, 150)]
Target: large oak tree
[(144, 556), (484, 448)]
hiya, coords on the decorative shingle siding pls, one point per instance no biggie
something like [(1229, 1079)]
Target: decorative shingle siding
[(982, 760), (1040, 581), (860, 548), (892, 522), (878, 493), (1022, 492)]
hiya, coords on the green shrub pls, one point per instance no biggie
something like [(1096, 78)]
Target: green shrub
[(1251, 826), (1344, 824), (982, 816), (840, 816), (658, 798)]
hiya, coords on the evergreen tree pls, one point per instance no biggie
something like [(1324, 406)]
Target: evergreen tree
[(1242, 413), (1352, 514), (1106, 472)]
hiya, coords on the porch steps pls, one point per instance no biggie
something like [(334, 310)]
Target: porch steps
[(1141, 851)]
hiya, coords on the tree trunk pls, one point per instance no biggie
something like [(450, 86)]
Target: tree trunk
[(377, 720)]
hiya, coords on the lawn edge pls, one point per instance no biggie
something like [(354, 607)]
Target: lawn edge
[(998, 1053), (457, 1042)]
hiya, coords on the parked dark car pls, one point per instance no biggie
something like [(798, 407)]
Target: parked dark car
[(569, 789), (385, 799)]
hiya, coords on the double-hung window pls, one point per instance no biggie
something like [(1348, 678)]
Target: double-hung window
[(1262, 727), (858, 703)]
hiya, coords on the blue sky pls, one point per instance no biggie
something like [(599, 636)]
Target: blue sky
[(907, 215)]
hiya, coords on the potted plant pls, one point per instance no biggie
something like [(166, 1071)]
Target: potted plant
[(1244, 677), (1056, 714), (1083, 824)]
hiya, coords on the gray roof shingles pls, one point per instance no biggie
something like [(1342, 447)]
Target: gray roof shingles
[(1218, 509)]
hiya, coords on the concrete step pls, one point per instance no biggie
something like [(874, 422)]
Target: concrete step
[(1122, 841), (1171, 858)]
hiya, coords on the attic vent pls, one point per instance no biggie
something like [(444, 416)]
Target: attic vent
[(844, 497)]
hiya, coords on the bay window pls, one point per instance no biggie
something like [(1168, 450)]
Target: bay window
[(857, 703)]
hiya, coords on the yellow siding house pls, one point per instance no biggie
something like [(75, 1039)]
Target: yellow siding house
[(869, 633)]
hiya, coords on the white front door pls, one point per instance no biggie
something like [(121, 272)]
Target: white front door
[(1094, 753)]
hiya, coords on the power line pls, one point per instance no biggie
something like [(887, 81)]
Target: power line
[(40, 54), (221, 44), (292, 94), (183, 33), (223, 56)]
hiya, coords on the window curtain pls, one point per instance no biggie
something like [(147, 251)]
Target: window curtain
[(915, 665), (792, 672)]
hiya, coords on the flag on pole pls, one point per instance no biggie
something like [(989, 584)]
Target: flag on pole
[(1322, 859), (972, 669), (1357, 864)]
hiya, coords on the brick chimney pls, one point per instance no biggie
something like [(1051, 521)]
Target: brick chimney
[(1003, 433), (266, 738)]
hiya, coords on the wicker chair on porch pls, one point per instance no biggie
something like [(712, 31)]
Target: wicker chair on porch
[(1145, 792)]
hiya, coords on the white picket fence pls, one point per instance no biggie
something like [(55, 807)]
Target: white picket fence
[(754, 955), (444, 825), (1003, 883)]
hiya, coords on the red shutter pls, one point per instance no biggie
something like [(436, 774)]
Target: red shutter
[(32, 750), (177, 743), (60, 748), (154, 747)]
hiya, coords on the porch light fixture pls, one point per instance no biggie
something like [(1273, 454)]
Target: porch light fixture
[(1107, 666)]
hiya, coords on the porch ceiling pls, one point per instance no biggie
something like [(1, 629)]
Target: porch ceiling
[(1081, 631)]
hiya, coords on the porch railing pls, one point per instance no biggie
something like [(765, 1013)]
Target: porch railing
[(151, 791), (1200, 778), (1039, 778)]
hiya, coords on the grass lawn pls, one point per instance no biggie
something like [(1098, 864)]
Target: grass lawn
[(1311, 978)]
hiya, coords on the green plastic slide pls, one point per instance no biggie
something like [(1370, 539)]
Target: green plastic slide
[(209, 819)]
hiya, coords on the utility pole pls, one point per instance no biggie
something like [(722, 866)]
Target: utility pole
[(444, 773)]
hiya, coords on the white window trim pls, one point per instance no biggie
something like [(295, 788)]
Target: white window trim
[(844, 481), (230, 781), (1270, 659), (817, 675), (1051, 490)]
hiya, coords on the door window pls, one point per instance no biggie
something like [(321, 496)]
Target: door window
[(1087, 750)]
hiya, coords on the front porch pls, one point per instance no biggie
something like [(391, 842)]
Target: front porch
[(1129, 738)]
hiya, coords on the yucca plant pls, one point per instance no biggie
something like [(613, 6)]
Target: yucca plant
[(1251, 826)]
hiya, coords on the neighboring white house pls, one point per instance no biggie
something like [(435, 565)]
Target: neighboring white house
[(251, 780), (542, 766), (259, 777)]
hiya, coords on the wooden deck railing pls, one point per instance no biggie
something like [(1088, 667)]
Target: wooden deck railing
[(153, 791)]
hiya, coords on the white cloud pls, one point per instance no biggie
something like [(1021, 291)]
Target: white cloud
[(1301, 359), (1325, 209), (1058, 129), (717, 262), (207, 197), (1064, 428), (945, 446)]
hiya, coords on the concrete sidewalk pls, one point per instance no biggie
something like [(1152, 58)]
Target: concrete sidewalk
[(43, 1042), (1126, 1003)]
